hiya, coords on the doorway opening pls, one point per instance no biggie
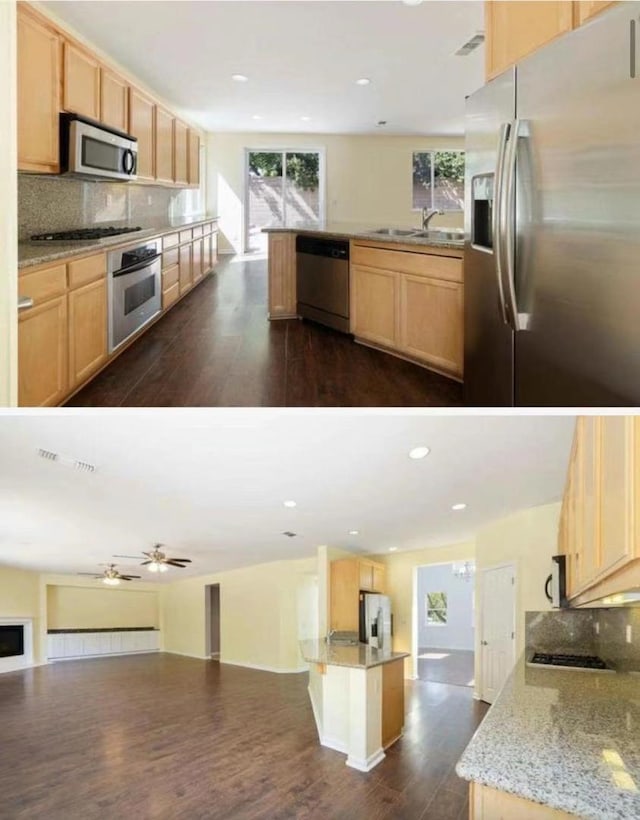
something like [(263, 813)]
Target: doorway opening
[(212, 620), (282, 187), (444, 623)]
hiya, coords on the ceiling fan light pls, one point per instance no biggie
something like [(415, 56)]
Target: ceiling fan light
[(163, 568), (112, 582), (153, 567)]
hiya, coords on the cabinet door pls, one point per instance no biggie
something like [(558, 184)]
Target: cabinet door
[(81, 82), (55, 646), (164, 145), (587, 500), (379, 574), (185, 268), (38, 95), (180, 139), (42, 354), (344, 599), (282, 275), (431, 321), (365, 576), (114, 100), (193, 163), (615, 490), (73, 645), (585, 9), (197, 258), (392, 701), (374, 305), (87, 330), (516, 29), (142, 125)]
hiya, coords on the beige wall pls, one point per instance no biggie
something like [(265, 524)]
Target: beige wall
[(401, 570), (20, 598), (96, 608), (368, 178), (258, 614)]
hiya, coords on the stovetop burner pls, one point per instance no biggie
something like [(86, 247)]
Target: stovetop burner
[(575, 661), (82, 234)]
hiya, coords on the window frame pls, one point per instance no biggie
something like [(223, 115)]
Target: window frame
[(433, 152), (429, 608)]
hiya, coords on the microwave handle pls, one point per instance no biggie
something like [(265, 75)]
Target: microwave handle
[(128, 161)]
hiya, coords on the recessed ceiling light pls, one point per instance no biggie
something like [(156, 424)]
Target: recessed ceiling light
[(305, 119), (393, 549), (363, 81), (458, 506), (354, 532), (412, 2), (240, 78), (256, 117), (419, 452), (290, 503)]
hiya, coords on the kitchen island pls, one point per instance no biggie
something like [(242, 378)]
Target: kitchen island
[(357, 696), (558, 744), (404, 293)]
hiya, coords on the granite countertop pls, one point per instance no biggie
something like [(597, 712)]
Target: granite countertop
[(569, 739), (103, 629), (359, 230), (37, 253), (360, 656)]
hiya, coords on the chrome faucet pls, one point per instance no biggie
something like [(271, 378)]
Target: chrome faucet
[(427, 216)]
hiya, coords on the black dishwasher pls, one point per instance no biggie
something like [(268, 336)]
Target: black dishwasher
[(323, 281)]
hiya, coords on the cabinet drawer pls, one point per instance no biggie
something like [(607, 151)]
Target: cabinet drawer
[(170, 258), (185, 236), (420, 264), (170, 277), (197, 231), (170, 295), (170, 240), (84, 271), (43, 284)]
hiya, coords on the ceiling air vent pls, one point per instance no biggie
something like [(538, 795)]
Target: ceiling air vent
[(47, 454), (470, 45), (74, 463), (290, 534)]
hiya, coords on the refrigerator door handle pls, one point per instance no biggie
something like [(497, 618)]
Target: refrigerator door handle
[(518, 321), (497, 217)]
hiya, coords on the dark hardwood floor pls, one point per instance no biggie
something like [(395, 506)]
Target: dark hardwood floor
[(217, 348), (161, 736)]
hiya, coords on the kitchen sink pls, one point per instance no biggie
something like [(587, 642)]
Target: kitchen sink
[(442, 234), (394, 232), (436, 234)]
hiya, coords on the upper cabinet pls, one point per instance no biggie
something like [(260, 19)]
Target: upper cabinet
[(114, 100), (142, 126), (585, 9), (516, 29), (81, 82), (350, 577), (164, 145), (39, 56), (194, 158), (181, 152)]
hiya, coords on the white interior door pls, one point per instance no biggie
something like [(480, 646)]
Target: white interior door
[(497, 638)]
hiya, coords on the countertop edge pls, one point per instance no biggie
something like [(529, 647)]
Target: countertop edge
[(368, 237)]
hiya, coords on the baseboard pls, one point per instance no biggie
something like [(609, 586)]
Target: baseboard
[(104, 655), (334, 743), (368, 763), (185, 654), (262, 668)]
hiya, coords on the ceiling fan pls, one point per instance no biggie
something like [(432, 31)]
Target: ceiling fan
[(157, 561), (110, 575)]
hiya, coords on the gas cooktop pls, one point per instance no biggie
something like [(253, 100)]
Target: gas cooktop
[(570, 661), (82, 234)]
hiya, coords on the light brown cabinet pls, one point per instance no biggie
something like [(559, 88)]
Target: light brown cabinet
[(193, 158), (164, 145), (392, 701), (598, 531), (181, 150), (39, 94), (142, 126), (114, 100), (374, 304), (282, 276), (87, 330), (186, 277), (486, 803), (42, 354), (81, 82), (586, 9), (350, 576), (197, 259)]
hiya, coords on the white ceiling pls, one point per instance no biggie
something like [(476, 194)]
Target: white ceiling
[(302, 58), (210, 484)]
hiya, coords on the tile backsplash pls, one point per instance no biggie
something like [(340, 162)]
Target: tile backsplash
[(600, 632), (63, 203)]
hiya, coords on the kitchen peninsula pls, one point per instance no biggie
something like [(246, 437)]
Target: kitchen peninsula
[(402, 289), (357, 696)]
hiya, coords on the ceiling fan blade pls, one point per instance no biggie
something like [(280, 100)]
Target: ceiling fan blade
[(173, 563), (180, 560), (129, 577), (91, 574), (144, 563)]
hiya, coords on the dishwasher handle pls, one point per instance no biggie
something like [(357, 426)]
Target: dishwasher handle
[(317, 246)]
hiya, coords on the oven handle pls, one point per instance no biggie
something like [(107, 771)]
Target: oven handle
[(138, 266)]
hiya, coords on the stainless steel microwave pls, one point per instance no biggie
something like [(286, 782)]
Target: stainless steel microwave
[(91, 150)]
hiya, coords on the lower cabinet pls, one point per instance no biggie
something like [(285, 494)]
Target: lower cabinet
[(43, 343), (92, 644), (392, 701), (197, 259), (282, 276), (87, 331), (374, 305), (186, 280)]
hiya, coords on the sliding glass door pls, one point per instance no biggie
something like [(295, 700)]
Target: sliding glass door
[(282, 188)]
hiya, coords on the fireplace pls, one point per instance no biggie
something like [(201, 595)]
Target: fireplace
[(11, 640)]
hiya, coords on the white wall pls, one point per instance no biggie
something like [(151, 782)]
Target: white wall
[(8, 207), (458, 632), (368, 178)]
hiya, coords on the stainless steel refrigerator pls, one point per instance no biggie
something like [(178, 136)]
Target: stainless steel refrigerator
[(552, 224), (375, 620)]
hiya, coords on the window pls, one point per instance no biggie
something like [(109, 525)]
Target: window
[(438, 180), (436, 606)]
